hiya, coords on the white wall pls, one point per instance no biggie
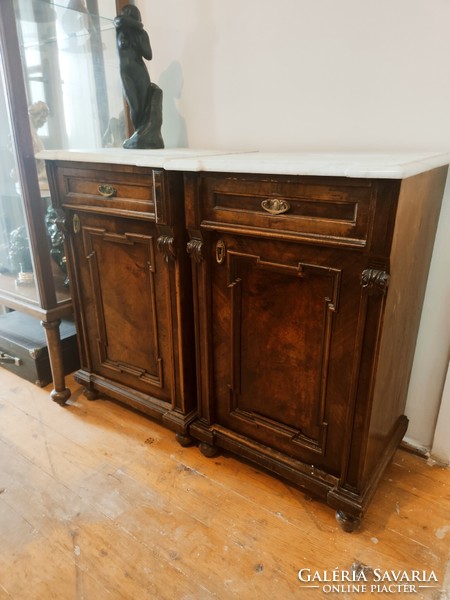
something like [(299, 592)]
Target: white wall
[(317, 75)]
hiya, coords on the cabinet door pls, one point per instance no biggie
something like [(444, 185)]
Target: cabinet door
[(284, 325), (122, 286)]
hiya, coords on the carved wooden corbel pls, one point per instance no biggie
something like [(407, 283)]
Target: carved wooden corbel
[(375, 281), (166, 245), (195, 250)]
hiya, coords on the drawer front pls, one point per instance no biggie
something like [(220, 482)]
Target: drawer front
[(109, 190), (329, 210)]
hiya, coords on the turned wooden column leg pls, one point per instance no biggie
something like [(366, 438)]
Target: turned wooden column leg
[(60, 393)]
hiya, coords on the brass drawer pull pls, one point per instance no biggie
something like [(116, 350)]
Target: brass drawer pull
[(106, 190), (275, 206)]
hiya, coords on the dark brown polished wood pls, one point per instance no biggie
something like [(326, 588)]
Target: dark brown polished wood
[(307, 299), (131, 285)]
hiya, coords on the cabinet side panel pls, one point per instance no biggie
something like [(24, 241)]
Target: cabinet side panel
[(412, 245)]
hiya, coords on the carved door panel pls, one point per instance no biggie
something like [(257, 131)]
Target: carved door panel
[(122, 282), (284, 319)]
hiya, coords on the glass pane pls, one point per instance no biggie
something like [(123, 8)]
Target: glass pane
[(70, 63), (16, 262), (74, 97)]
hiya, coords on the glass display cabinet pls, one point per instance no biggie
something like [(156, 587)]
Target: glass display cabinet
[(59, 88)]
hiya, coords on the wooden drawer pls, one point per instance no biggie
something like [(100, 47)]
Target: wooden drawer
[(106, 190), (334, 211)]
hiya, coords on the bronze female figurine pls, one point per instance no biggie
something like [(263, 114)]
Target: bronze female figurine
[(144, 97)]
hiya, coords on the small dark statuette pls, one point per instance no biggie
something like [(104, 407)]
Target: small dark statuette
[(19, 250), (144, 97)]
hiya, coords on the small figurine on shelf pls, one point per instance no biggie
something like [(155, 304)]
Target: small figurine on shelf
[(38, 113), (20, 256), (115, 132), (144, 97)]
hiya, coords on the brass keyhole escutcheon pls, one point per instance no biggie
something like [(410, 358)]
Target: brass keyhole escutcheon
[(76, 224), (220, 252)]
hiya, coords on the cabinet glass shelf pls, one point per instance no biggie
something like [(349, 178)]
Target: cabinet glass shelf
[(64, 26)]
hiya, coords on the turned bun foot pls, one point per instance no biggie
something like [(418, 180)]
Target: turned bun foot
[(91, 394), (184, 439), (208, 450), (347, 522)]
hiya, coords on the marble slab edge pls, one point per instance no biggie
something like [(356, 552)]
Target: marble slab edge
[(355, 165)]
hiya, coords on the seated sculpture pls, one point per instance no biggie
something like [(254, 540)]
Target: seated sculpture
[(38, 113), (144, 97)]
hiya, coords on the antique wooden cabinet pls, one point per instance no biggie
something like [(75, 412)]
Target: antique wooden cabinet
[(131, 283), (308, 292), (286, 332)]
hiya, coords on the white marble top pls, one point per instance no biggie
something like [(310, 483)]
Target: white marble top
[(369, 165), (138, 158), (358, 164)]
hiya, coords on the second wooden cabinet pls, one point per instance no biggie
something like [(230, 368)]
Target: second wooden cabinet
[(307, 294), (131, 285)]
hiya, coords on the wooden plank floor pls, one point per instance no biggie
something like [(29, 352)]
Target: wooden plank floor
[(98, 502)]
